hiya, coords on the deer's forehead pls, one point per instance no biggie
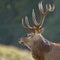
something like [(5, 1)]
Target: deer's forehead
[(33, 34), (30, 34)]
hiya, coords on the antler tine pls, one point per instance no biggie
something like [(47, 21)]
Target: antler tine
[(27, 22), (23, 23), (34, 19), (42, 14), (28, 26), (49, 8), (41, 8)]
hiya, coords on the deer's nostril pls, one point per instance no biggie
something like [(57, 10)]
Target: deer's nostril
[(21, 42)]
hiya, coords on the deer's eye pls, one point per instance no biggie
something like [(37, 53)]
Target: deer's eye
[(29, 35)]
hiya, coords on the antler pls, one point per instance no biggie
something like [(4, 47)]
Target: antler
[(28, 27), (49, 9), (38, 26)]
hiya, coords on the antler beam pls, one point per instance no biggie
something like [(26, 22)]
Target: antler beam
[(49, 9)]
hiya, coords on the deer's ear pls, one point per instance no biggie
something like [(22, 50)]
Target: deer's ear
[(41, 30)]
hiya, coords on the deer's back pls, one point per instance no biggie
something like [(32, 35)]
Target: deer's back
[(54, 54)]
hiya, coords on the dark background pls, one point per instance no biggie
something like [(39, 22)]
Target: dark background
[(12, 12)]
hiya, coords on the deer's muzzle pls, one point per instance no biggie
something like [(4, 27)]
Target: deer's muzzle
[(22, 40)]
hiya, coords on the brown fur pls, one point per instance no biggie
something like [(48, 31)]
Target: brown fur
[(41, 48), (38, 46), (54, 54)]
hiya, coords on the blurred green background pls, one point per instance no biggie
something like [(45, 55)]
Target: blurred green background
[(11, 13)]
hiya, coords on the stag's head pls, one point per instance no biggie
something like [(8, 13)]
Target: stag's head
[(37, 29)]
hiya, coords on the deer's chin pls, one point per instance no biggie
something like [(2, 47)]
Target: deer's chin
[(29, 47)]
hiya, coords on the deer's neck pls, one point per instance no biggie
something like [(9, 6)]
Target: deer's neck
[(42, 44), (40, 47)]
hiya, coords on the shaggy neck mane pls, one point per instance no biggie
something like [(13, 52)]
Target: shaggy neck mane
[(47, 45), (40, 47), (43, 43)]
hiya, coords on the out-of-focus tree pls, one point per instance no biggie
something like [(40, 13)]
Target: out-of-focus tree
[(11, 13)]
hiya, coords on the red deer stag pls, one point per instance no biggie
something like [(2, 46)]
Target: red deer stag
[(41, 48)]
